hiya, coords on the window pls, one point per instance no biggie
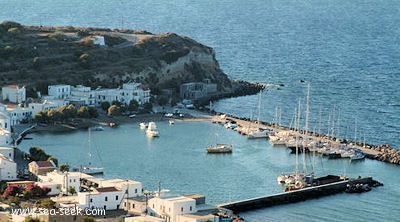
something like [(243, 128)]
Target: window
[(116, 197), (181, 209), (91, 200), (190, 208), (105, 198), (136, 190)]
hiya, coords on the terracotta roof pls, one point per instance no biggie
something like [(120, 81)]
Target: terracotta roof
[(44, 164), (106, 189), (12, 86)]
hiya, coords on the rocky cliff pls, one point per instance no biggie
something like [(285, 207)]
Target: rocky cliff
[(37, 56)]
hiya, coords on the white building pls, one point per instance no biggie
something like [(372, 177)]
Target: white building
[(182, 208), (18, 114), (170, 208), (85, 94), (146, 218), (14, 93), (107, 95), (59, 91), (60, 182), (107, 194), (46, 105), (5, 118), (7, 152), (99, 40), (8, 168), (108, 198), (134, 91)]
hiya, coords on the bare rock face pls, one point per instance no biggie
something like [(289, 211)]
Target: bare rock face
[(39, 56)]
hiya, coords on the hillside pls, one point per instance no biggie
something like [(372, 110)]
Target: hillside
[(38, 56)]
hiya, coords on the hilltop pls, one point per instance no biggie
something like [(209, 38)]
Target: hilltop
[(38, 56)]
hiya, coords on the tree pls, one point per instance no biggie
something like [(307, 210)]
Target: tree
[(64, 167), (148, 107), (92, 112), (54, 115), (71, 190), (83, 112), (114, 111), (46, 203), (11, 191), (38, 154), (133, 105), (71, 111), (105, 105), (41, 117), (162, 100)]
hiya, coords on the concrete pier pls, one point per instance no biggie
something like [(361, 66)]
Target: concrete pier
[(294, 196)]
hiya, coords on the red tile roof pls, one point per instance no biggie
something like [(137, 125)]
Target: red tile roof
[(44, 164), (12, 86), (106, 189)]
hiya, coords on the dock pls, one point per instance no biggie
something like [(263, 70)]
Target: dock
[(297, 195)]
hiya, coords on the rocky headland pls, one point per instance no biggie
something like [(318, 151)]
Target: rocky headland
[(37, 56)]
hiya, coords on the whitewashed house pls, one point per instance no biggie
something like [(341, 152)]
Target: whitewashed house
[(5, 118), (170, 208), (7, 152), (133, 91), (146, 218), (18, 114), (182, 208), (85, 94), (14, 93), (107, 194), (60, 182), (46, 105), (108, 198), (107, 95), (5, 137), (59, 91), (8, 168)]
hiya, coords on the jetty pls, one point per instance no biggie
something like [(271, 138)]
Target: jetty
[(384, 152), (329, 185)]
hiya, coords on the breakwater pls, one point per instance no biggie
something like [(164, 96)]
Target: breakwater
[(384, 152), (297, 195)]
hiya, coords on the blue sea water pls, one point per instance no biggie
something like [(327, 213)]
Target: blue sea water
[(347, 50)]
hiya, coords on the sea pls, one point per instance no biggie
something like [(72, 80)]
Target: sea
[(344, 53)]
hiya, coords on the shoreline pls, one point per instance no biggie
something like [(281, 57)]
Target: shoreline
[(383, 153)]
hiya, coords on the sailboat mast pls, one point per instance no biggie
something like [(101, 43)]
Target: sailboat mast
[(89, 144), (297, 119)]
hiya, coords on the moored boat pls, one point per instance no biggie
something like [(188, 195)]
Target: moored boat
[(220, 148), (143, 125), (152, 130)]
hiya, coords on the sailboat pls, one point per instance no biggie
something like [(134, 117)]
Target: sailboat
[(89, 169), (258, 133), (296, 180), (219, 147)]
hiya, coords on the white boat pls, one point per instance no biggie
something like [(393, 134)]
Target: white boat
[(97, 128), (143, 125), (358, 155), (257, 134), (152, 130), (171, 122), (89, 169), (220, 148)]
